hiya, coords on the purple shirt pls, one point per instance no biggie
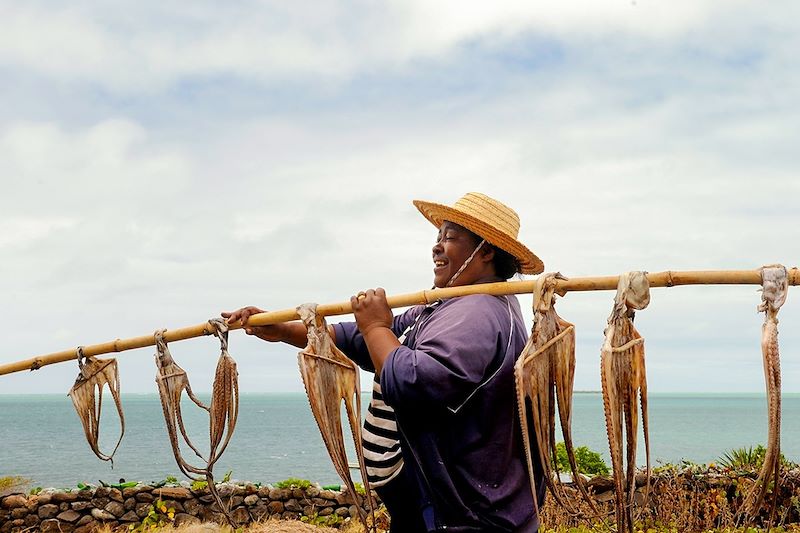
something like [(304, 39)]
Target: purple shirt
[(452, 387)]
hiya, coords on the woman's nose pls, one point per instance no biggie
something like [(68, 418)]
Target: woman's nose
[(437, 247)]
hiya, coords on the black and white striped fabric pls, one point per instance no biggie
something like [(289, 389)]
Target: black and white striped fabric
[(381, 440)]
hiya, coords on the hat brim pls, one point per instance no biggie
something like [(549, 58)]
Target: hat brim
[(438, 213)]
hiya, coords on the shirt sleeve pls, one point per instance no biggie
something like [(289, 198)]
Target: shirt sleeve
[(455, 353), (350, 340)]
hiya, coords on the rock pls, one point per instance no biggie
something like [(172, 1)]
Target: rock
[(116, 495), (14, 501), (353, 510), (309, 510), (44, 498), (605, 496), (183, 519), (87, 519), (293, 506), (235, 501), (31, 521), (344, 498), (48, 511), (298, 494), (327, 494), (130, 492), (5, 526), (174, 505), (251, 500), (275, 507), (142, 509), (63, 506), (80, 506), (85, 494), (326, 511), (260, 511), (115, 508), (68, 497), (144, 497), (342, 511), (225, 490), (279, 494), (250, 488), (51, 525), (130, 516), (69, 516), (264, 492), (208, 498), (290, 516), (321, 502), (102, 492), (89, 527), (172, 493), (103, 515), (312, 492), (100, 502), (130, 504), (19, 512), (240, 515), (192, 507)]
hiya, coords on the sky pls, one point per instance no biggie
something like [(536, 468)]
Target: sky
[(161, 163)]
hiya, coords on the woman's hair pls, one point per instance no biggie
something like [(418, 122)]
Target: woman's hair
[(505, 264)]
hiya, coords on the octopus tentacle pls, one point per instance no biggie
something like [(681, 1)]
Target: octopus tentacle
[(624, 385), (544, 377), (775, 283), (330, 379)]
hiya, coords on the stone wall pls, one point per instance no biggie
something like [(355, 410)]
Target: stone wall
[(81, 511)]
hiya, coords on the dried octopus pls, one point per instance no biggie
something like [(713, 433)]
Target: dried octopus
[(223, 411), (775, 284), (545, 373), (87, 397), (330, 378), (622, 374)]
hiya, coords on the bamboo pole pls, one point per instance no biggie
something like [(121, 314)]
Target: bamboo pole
[(659, 279)]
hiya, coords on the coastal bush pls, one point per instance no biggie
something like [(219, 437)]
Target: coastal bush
[(12, 482), (157, 517), (589, 461), (293, 483), (750, 458)]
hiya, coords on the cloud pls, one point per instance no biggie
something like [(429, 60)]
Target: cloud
[(155, 46)]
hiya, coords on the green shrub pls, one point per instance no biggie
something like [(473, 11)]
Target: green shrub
[(293, 483), (589, 461)]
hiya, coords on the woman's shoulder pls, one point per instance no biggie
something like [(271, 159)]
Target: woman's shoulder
[(485, 304)]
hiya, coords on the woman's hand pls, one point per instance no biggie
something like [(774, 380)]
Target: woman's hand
[(371, 310), (273, 333), (374, 319)]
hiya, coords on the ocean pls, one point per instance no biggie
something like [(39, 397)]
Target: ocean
[(41, 438)]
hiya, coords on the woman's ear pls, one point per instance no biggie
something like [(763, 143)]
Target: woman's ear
[(487, 253)]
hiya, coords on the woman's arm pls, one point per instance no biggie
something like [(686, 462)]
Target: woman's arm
[(294, 333)]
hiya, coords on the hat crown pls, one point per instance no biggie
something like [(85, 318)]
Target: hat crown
[(485, 208), (491, 220)]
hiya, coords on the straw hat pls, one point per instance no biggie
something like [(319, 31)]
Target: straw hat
[(489, 219)]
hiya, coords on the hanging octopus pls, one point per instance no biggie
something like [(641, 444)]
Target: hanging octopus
[(544, 374), (223, 411), (622, 374), (775, 285), (330, 378), (87, 398)]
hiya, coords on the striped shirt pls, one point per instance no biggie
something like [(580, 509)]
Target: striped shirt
[(381, 438)]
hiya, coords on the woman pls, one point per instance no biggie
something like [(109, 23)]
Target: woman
[(442, 440)]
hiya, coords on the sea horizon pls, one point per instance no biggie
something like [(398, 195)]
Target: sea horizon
[(41, 437)]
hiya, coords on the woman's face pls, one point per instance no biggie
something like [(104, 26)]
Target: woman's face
[(453, 246)]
